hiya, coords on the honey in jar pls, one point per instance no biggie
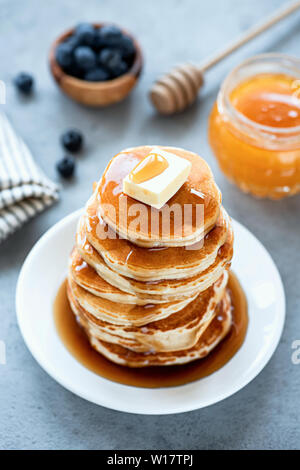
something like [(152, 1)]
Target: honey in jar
[(254, 127)]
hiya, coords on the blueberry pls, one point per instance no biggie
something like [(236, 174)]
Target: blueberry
[(85, 33), (98, 74), (72, 41), (85, 57), (24, 82), (127, 48), (72, 140), (119, 69), (108, 56), (66, 166), (98, 42), (112, 60), (74, 70), (64, 55), (109, 35)]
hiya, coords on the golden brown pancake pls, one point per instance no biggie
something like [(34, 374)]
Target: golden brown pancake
[(178, 331), (216, 331), (124, 314), (158, 291), (152, 264), (120, 211), (85, 276)]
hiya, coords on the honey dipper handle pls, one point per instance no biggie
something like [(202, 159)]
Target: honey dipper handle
[(178, 89), (251, 34)]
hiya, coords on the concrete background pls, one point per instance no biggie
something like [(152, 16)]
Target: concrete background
[(36, 412)]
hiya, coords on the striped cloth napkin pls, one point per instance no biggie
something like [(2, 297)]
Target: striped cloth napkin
[(24, 189)]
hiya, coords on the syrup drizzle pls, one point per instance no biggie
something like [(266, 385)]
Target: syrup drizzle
[(151, 166)]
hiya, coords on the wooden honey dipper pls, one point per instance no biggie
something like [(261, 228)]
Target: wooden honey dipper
[(178, 89)]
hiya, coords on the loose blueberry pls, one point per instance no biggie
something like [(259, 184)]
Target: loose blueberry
[(109, 35), (64, 54), (85, 57), (24, 82), (85, 33), (72, 140), (66, 166), (98, 74)]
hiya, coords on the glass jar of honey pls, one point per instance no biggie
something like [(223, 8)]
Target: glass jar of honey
[(254, 127)]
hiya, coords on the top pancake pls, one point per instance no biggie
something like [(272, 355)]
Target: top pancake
[(144, 225)]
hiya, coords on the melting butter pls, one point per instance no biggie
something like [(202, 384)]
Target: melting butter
[(157, 177)]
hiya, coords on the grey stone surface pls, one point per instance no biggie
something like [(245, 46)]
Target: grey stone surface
[(36, 412)]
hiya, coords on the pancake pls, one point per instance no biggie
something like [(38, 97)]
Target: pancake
[(151, 264), (156, 291), (143, 297), (164, 290), (216, 331), (123, 314), (85, 276), (178, 331), (149, 227)]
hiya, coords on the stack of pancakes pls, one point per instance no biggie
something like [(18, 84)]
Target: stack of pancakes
[(143, 296)]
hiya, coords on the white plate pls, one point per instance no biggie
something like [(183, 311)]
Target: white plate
[(46, 267)]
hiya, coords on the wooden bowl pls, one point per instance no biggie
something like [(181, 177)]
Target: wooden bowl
[(96, 93)]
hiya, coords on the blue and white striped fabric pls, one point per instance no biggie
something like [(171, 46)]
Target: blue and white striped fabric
[(24, 189)]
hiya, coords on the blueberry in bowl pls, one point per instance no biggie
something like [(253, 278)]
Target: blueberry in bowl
[(85, 58), (96, 64)]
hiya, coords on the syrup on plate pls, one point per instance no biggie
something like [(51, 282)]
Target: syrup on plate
[(77, 344)]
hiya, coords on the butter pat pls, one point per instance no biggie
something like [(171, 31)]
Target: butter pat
[(157, 190)]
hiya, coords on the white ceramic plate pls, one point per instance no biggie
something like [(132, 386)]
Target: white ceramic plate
[(46, 267)]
